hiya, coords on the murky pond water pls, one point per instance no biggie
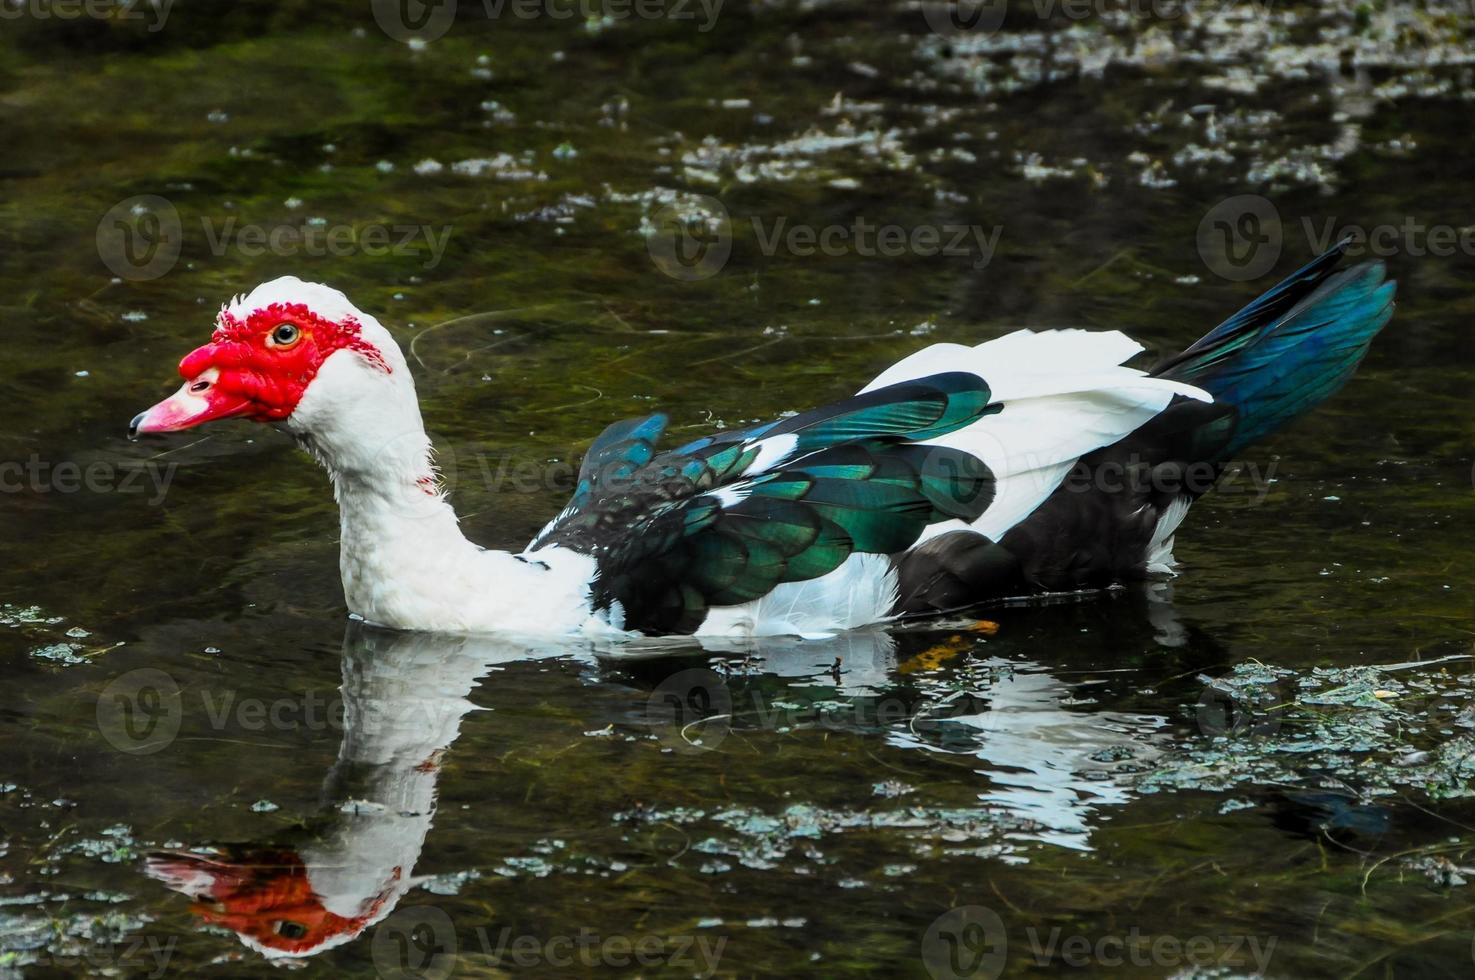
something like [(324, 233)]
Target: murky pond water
[(729, 211)]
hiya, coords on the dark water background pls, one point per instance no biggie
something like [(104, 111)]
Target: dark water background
[(1230, 757)]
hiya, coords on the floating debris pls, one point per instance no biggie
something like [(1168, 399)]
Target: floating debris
[(62, 653), (450, 883), (503, 166)]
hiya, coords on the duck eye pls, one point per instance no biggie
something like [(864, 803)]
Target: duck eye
[(288, 929), (284, 335)]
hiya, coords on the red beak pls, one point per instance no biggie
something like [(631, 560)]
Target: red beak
[(195, 403)]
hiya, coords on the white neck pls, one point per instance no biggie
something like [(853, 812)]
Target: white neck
[(404, 561)]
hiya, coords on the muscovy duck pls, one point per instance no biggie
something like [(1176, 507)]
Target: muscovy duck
[(1033, 463)]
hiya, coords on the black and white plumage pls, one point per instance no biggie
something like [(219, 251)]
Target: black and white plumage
[(1029, 464), (726, 520), (1065, 471)]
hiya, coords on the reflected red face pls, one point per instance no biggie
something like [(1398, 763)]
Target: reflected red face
[(258, 367), (263, 894)]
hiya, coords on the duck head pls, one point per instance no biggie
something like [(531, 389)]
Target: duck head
[(266, 897), (300, 355)]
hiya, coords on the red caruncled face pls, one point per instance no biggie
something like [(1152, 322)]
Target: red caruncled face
[(263, 894), (257, 367)]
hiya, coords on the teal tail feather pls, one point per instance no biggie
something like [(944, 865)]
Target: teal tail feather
[(1291, 349)]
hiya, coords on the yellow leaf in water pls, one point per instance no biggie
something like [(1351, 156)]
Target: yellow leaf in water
[(933, 657)]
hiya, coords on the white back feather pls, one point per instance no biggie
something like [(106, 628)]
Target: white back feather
[(1064, 394)]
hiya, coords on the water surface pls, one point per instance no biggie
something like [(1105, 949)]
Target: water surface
[(1271, 754)]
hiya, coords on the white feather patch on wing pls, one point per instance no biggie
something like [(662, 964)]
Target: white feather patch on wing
[(730, 495), (1064, 395), (771, 452), (861, 591)]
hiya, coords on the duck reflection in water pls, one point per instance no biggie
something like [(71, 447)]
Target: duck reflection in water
[(405, 696)]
